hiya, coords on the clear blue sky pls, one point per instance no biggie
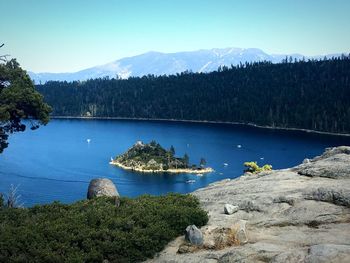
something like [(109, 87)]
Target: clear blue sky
[(69, 35)]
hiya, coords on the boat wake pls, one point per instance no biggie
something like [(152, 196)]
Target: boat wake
[(48, 179)]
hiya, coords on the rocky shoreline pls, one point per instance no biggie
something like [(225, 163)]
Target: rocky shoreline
[(141, 170), (300, 214)]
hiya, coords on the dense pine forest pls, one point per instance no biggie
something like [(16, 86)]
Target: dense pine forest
[(312, 94)]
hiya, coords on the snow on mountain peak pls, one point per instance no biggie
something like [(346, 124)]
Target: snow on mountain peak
[(157, 63)]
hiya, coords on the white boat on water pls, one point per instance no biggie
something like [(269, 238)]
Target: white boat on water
[(239, 146), (225, 164), (88, 140), (200, 175), (190, 181)]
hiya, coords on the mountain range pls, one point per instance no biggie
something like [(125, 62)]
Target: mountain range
[(157, 63)]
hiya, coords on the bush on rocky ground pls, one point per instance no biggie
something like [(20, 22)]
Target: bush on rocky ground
[(253, 167)]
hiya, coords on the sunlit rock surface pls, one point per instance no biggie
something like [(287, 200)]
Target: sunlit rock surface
[(301, 214)]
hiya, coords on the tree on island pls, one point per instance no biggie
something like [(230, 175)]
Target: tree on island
[(170, 154), (19, 100), (202, 162), (172, 150), (186, 160), (153, 143)]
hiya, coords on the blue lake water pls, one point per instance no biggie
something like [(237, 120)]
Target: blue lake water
[(56, 162)]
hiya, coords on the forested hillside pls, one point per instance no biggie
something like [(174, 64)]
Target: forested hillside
[(300, 94)]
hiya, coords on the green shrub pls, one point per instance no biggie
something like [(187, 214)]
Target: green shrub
[(1, 200), (266, 167), (94, 230), (253, 167)]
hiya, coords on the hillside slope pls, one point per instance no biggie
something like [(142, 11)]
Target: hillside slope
[(311, 95)]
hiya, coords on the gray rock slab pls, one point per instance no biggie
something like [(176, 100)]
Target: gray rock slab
[(288, 217)]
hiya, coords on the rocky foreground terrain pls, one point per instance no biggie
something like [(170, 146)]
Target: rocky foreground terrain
[(301, 214)]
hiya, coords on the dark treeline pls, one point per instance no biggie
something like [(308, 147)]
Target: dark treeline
[(312, 94)]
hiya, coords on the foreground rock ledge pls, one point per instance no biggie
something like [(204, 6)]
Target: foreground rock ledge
[(301, 214)]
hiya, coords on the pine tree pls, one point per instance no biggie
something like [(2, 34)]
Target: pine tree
[(202, 162), (172, 150), (186, 160), (19, 100)]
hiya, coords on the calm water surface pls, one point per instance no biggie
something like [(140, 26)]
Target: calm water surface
[(56, 162)]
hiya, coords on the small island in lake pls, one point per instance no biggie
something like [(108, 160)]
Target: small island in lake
[(154, 158)]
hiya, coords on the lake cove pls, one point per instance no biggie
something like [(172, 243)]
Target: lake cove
[(57, 162)]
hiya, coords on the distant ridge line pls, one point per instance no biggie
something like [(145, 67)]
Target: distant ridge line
[(158, 63)]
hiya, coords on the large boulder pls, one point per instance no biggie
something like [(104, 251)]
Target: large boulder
[(194, 235), (230, 209), (102, 187)]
